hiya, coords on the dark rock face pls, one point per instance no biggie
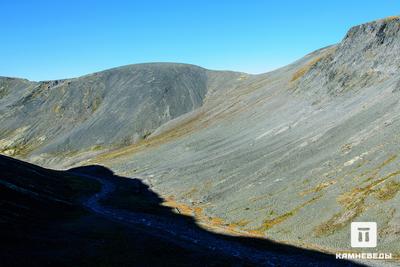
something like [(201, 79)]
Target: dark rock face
[(366, 56)]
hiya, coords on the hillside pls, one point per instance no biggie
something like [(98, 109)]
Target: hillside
[(108, 109), (294, 155), (88, 216), (44, 220)]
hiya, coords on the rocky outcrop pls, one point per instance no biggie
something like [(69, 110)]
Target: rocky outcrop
[(367, 55)]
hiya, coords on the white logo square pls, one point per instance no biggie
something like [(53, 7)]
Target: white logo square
[(363, 234)]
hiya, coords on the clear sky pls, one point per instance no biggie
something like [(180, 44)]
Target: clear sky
[(42, 40)]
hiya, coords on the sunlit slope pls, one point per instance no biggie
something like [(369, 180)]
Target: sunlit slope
[(113, 108), (295, 154)]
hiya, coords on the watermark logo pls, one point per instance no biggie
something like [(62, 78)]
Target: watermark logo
[(363, 234)]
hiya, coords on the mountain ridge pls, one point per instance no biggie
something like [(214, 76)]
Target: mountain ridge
[(159, 92), (295, 154), (366, 55), (275, 152)]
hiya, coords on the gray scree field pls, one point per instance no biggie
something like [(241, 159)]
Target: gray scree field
[(294, 155)]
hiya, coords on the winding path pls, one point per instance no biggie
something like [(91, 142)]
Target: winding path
[(191, 236)]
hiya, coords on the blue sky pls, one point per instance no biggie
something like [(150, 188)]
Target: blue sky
[(42, 40)]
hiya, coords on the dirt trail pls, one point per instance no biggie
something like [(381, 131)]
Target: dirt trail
[(191, 236)]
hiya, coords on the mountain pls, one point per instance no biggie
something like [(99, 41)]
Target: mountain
[(108, 109), (294, 155), (367, 56)]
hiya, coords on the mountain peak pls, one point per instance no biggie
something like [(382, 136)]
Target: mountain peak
[(382, 31), (369, 54)]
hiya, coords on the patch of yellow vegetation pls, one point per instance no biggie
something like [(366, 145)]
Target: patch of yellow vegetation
[(318, 188), (179, 207), (354, 200), (310, 64), (96, 148), (388, 191), (242, 77), (211, 223), (268, 224), (303, 70), (56, 109), (176, 132), (16, 143), (346, 148), (390, 18), (241, 223), (386, 162), (216, 221)]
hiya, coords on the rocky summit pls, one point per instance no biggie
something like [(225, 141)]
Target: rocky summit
[(293, 155)]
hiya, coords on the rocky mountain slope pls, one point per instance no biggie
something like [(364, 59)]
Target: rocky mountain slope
[(294, 155), (367, 56), (108, 109)]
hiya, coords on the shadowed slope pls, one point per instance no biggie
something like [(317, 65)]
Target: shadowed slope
[(44, 223), (136, 231)]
